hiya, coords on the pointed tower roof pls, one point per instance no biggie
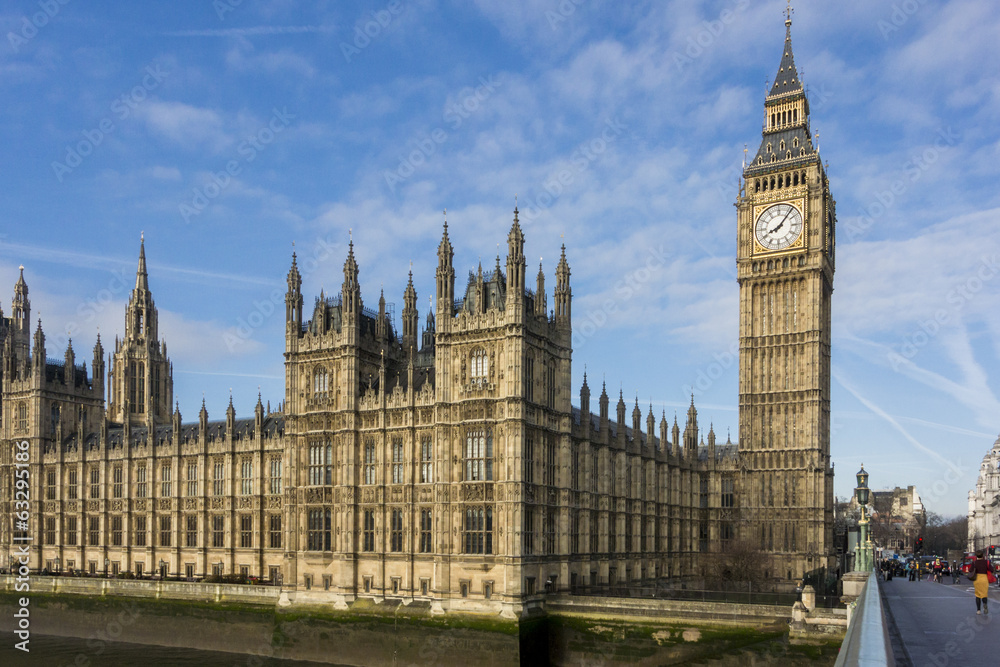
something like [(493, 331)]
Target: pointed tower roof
[(141, 279), (21, 287), (786, 81)]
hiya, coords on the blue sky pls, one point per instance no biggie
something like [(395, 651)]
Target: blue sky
[(226, 131)]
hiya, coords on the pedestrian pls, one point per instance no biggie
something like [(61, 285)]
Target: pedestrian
[(981, 571)]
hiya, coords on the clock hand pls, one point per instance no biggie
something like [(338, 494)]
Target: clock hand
[(782, 223)]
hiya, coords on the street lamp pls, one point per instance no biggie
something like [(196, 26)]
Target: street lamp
[(107, 564), (163, 569), (862, 561), (57, 563)]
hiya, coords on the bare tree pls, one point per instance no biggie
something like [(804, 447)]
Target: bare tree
[(743, 563)]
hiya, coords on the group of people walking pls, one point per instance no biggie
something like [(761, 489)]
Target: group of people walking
[(980, 571)]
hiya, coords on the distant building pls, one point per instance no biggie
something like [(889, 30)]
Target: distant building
[(898, 517), (984, 503)]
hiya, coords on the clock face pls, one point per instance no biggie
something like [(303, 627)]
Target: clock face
[(778, 226)]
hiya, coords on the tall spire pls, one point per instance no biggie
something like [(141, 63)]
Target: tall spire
[(787, 78), (141, 279)]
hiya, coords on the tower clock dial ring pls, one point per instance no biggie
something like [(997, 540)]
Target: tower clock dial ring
[(778, 226)]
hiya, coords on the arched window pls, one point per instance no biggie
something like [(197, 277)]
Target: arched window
[(479, 456), (321, 382), (22, 417), (480, 366)]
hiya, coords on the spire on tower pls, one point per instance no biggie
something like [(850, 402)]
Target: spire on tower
[(141, 279)]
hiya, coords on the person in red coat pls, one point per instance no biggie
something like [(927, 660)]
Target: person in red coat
[(982, 569)]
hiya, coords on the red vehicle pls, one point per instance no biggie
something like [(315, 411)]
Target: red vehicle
[(968, 558)]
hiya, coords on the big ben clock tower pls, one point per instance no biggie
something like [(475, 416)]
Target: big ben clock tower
[(785, 262)]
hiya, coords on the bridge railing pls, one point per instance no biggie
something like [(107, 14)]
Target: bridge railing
[(867, 639)]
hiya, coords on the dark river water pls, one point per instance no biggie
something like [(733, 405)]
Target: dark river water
[(72, 652)]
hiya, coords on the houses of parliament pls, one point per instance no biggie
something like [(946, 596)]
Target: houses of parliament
[(447, 464)]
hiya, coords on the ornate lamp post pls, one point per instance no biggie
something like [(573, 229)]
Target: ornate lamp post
[(863, 560)]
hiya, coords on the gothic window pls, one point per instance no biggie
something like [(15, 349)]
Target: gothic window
[(22, 417), (369, 462), (480, 366), (397, 460), (550, 461), (529, 378), (50, 530), (71, 531), (54, 417), (613, 476), (478, 530), (141, 486), (165, 531), (426, 517), (426, 460), (275, 482), (50, 485), (246, 477), (71, 486), (368, 533), (550, 531), (116, 486), (192, 479), (529, 459), (612, 532), (703, 491), (550, 384), (479, 455), (318, 536), (594, 533), (320, 463), (769, 147), (165, 486), (703, 536), (593, 471), (246, 531), (528, 533), (628, 533), (321, 382), (574, 532), (191, 531), (575, 472), (218, 530), (396, 531), (781, 146), (274, 535), (94, 530), (140, 531), (728, 492), (218, 478), (795, 144)]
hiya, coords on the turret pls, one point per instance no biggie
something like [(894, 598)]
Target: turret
[(711, 442), (428, 338), (203, 418), (585, 405), (380, 329), (621, 412), (676, 437), (258, 414), (98, 369), (293, 300), (38, 351), (351, 290), (20, 314), (515, 261), (603, 405), (541, 307), (563, 294), (637, 422), (445, 277), (410, 316), (664, 434), (231, 417), (69, 365), (691, 431), (650, 427)]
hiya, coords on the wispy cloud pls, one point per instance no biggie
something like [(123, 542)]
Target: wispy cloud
[(252, 31)]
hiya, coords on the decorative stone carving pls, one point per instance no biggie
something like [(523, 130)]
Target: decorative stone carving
[(273, 502), (117, 505), (165, 504), (190, 503), (217, 503)]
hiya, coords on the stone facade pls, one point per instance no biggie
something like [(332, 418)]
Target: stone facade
[(984, 503), (785, 264), (450, 466)]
